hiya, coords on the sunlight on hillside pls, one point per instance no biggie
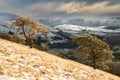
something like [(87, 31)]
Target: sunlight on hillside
[(19, 62)]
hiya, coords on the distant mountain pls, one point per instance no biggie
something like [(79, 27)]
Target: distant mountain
[(8, 16), (83, 21), (55, 38), (61, 35), (51, 22), (109, 34), (76, 30), (6, 20)]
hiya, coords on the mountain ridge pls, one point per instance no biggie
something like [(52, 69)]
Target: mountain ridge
[(76, 29)]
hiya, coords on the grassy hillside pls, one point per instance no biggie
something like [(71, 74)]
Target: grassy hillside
[(19, 62)]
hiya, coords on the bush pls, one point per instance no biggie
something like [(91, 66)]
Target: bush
[(16, 39), (114, 68), (12, 38)]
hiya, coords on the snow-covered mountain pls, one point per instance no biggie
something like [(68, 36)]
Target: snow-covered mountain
[(6, 21), (83, 21), (61, 35), (110, 34), (79, 30), (8, 16)]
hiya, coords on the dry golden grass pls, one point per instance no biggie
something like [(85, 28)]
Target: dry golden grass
[(20, 61)]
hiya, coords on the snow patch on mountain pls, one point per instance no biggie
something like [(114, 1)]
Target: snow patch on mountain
[(3, 29), (75, 29), (6, 21), (70, 28), (8, 16)]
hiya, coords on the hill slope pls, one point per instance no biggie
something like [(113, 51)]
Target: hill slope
[(19, 62)]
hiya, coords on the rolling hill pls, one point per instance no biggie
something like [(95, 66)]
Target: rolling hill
[(19, 62)]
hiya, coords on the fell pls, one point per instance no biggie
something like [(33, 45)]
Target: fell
[(19, 62)]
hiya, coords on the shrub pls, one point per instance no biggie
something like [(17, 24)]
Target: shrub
[(12, 38), (114, 68)]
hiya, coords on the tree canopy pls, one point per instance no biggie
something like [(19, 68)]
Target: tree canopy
[(91, 46), (29, 28)]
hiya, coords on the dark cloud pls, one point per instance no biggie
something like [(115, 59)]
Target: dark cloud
[(113, 2), (26, 2), (61, 7), (22, 2), (29, 2)]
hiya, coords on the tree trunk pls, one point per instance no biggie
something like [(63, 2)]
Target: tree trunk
[(94, 63), (94, 59), (30, 41), (24, 33)]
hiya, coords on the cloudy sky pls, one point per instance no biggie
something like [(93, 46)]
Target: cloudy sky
[(47, 8)]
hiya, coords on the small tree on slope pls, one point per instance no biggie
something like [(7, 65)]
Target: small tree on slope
[(98, 50), (29, 28)]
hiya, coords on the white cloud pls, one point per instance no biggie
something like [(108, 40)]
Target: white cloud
[(45, 8), (83, 8)]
